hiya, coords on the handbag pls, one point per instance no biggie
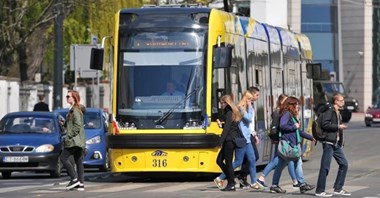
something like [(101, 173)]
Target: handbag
[(239, 140), (288, 152)]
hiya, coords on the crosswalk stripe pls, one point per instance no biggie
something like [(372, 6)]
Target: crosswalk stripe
[(351, 188), (158, 187), (17, 188), (127, 186), (58, 189), (176, 187)]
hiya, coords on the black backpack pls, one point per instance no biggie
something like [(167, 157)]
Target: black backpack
[(317, 130), (275, 127)]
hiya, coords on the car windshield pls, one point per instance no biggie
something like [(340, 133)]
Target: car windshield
[(333, 88), (27, 124), (91, 120)]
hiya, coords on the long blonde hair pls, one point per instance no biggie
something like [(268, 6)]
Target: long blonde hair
[(243, 102), (236, 115)]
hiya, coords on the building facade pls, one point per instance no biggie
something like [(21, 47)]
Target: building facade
[(342, 38)]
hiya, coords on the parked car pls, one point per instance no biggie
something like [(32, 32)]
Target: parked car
[(95, 127), (372, 115), (30, 141)]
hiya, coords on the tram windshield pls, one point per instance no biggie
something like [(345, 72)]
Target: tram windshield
[(159, 71)]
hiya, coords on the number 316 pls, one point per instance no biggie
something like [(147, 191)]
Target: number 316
[(160, 162)]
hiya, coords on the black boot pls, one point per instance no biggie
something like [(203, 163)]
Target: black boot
[(229, 187), (243, 183)]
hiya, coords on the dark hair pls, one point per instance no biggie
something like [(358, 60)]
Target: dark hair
[(41, 97), (253, 90)]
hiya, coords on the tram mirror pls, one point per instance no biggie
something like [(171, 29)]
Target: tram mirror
[(223, 56), (314, 70), (96, 61)]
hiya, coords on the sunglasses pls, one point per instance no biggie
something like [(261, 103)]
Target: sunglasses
[(67, 97)]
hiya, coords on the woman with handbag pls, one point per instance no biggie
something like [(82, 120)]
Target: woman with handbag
[(245, 149), (290, 134), (230, 131)]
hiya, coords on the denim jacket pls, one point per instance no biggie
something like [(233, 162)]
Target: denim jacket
[(245, 122)]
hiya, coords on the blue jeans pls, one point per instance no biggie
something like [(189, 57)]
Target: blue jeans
[(280, 166), (273, 164), (299, 172), (239, 156), (330, 151)]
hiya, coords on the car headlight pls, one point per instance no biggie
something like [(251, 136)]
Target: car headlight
[(94, 140), (45, 148)]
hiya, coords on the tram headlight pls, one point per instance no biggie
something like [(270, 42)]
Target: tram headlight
[(192, 124), (127, 125)]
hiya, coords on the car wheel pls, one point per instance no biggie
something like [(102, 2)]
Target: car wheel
[(106, 165), (56, 173), (6, 174)]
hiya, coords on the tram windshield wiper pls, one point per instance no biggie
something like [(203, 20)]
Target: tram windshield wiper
[(168, 113)]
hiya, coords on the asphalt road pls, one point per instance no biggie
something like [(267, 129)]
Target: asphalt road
[(361, 148)]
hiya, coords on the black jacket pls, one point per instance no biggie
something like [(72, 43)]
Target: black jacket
[(230, 128), (330, 124), (41, 106)]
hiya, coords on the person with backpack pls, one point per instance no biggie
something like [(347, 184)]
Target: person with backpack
[(295, 174), (333, 147), (289, 127)]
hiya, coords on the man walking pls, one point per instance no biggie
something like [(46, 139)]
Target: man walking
[(41, 105), (332, 147)]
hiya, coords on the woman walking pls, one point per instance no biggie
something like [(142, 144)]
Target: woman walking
[(230, 131), (74, 141), (289, 127)]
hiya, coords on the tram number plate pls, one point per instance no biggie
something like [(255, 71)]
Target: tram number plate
[(11, 159), (159, 163)]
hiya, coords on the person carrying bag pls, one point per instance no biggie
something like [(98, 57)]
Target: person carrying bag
[(289, 148), (286, 150)]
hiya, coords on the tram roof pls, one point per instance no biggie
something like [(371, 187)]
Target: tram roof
[(165, 10)]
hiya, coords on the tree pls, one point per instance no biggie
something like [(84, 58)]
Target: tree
[(25, 35)]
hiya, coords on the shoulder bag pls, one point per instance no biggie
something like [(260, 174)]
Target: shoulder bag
[(288, 152), (239, 140)]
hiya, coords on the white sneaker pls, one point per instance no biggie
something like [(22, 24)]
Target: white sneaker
[(342, 192), (219, 183), (323, 194)]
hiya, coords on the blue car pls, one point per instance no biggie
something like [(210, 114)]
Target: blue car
[(30, 141), (95, 127)]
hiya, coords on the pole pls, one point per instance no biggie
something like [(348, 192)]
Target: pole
[(110, 73), (58, 55), (340, 49)]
